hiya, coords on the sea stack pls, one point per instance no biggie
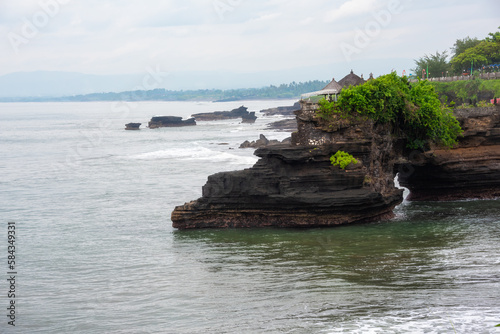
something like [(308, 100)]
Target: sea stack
[(295, 185), (170, 121), (132, 126)]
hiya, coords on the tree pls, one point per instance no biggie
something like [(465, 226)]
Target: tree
[(463, 44), (475, 53), (437, 65), (484, 53), (494, 37)]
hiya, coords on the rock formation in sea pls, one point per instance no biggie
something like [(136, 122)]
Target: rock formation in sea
[(264, 142), (133, 126), (170, 121), (241, 112), (283, 111), (295, 185)]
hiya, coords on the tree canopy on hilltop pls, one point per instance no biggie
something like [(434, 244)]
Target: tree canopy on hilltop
[(437, 65), (466, 53)]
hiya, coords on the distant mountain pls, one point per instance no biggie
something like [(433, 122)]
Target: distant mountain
[(42, 84), (47, 84), (53, 84)]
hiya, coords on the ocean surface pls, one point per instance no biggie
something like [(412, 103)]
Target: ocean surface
[(96, 252)]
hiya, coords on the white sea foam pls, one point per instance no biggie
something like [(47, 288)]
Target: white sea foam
[(196, 153), (433, 323)]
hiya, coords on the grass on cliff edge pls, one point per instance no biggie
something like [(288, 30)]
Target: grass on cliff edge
[(413, 109), (467, 90)]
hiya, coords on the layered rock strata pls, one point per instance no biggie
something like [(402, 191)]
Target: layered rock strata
[(471, 170), (296, 185)]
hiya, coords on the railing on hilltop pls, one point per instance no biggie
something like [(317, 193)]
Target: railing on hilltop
[(485, 76)]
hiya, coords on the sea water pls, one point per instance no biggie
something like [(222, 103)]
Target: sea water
[(96, 253)]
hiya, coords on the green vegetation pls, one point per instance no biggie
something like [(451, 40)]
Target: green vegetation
[(476, 57), (342, 159), (467, 91), (436, 65), (463, 44), (480, 55), (413, 110)]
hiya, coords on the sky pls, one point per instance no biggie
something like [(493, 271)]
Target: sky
[(280, 39)]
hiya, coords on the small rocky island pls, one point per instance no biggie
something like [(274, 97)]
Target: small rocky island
[(133, 126), (170, 121), (241, 112), (295, 184)]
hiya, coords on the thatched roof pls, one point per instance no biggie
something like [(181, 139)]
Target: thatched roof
[(333, 85), (332, 88), (351, 80)]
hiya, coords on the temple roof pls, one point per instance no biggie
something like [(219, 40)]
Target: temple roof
[(351, 80), (333, 85)]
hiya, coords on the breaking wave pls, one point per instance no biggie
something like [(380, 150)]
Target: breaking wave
[(196, 153)]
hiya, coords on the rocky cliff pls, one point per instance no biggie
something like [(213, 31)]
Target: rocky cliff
[(296, 186), (471, 170)]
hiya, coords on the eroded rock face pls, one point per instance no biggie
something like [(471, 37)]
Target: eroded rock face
[(296, 185), (472, 170)]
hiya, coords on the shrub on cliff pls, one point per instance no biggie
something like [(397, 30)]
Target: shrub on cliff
[(342, 159), (414, 110)]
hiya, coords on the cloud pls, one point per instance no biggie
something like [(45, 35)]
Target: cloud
[(352, 8), (126, 36)]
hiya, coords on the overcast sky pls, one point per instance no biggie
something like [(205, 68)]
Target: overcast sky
[(241, 36)]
